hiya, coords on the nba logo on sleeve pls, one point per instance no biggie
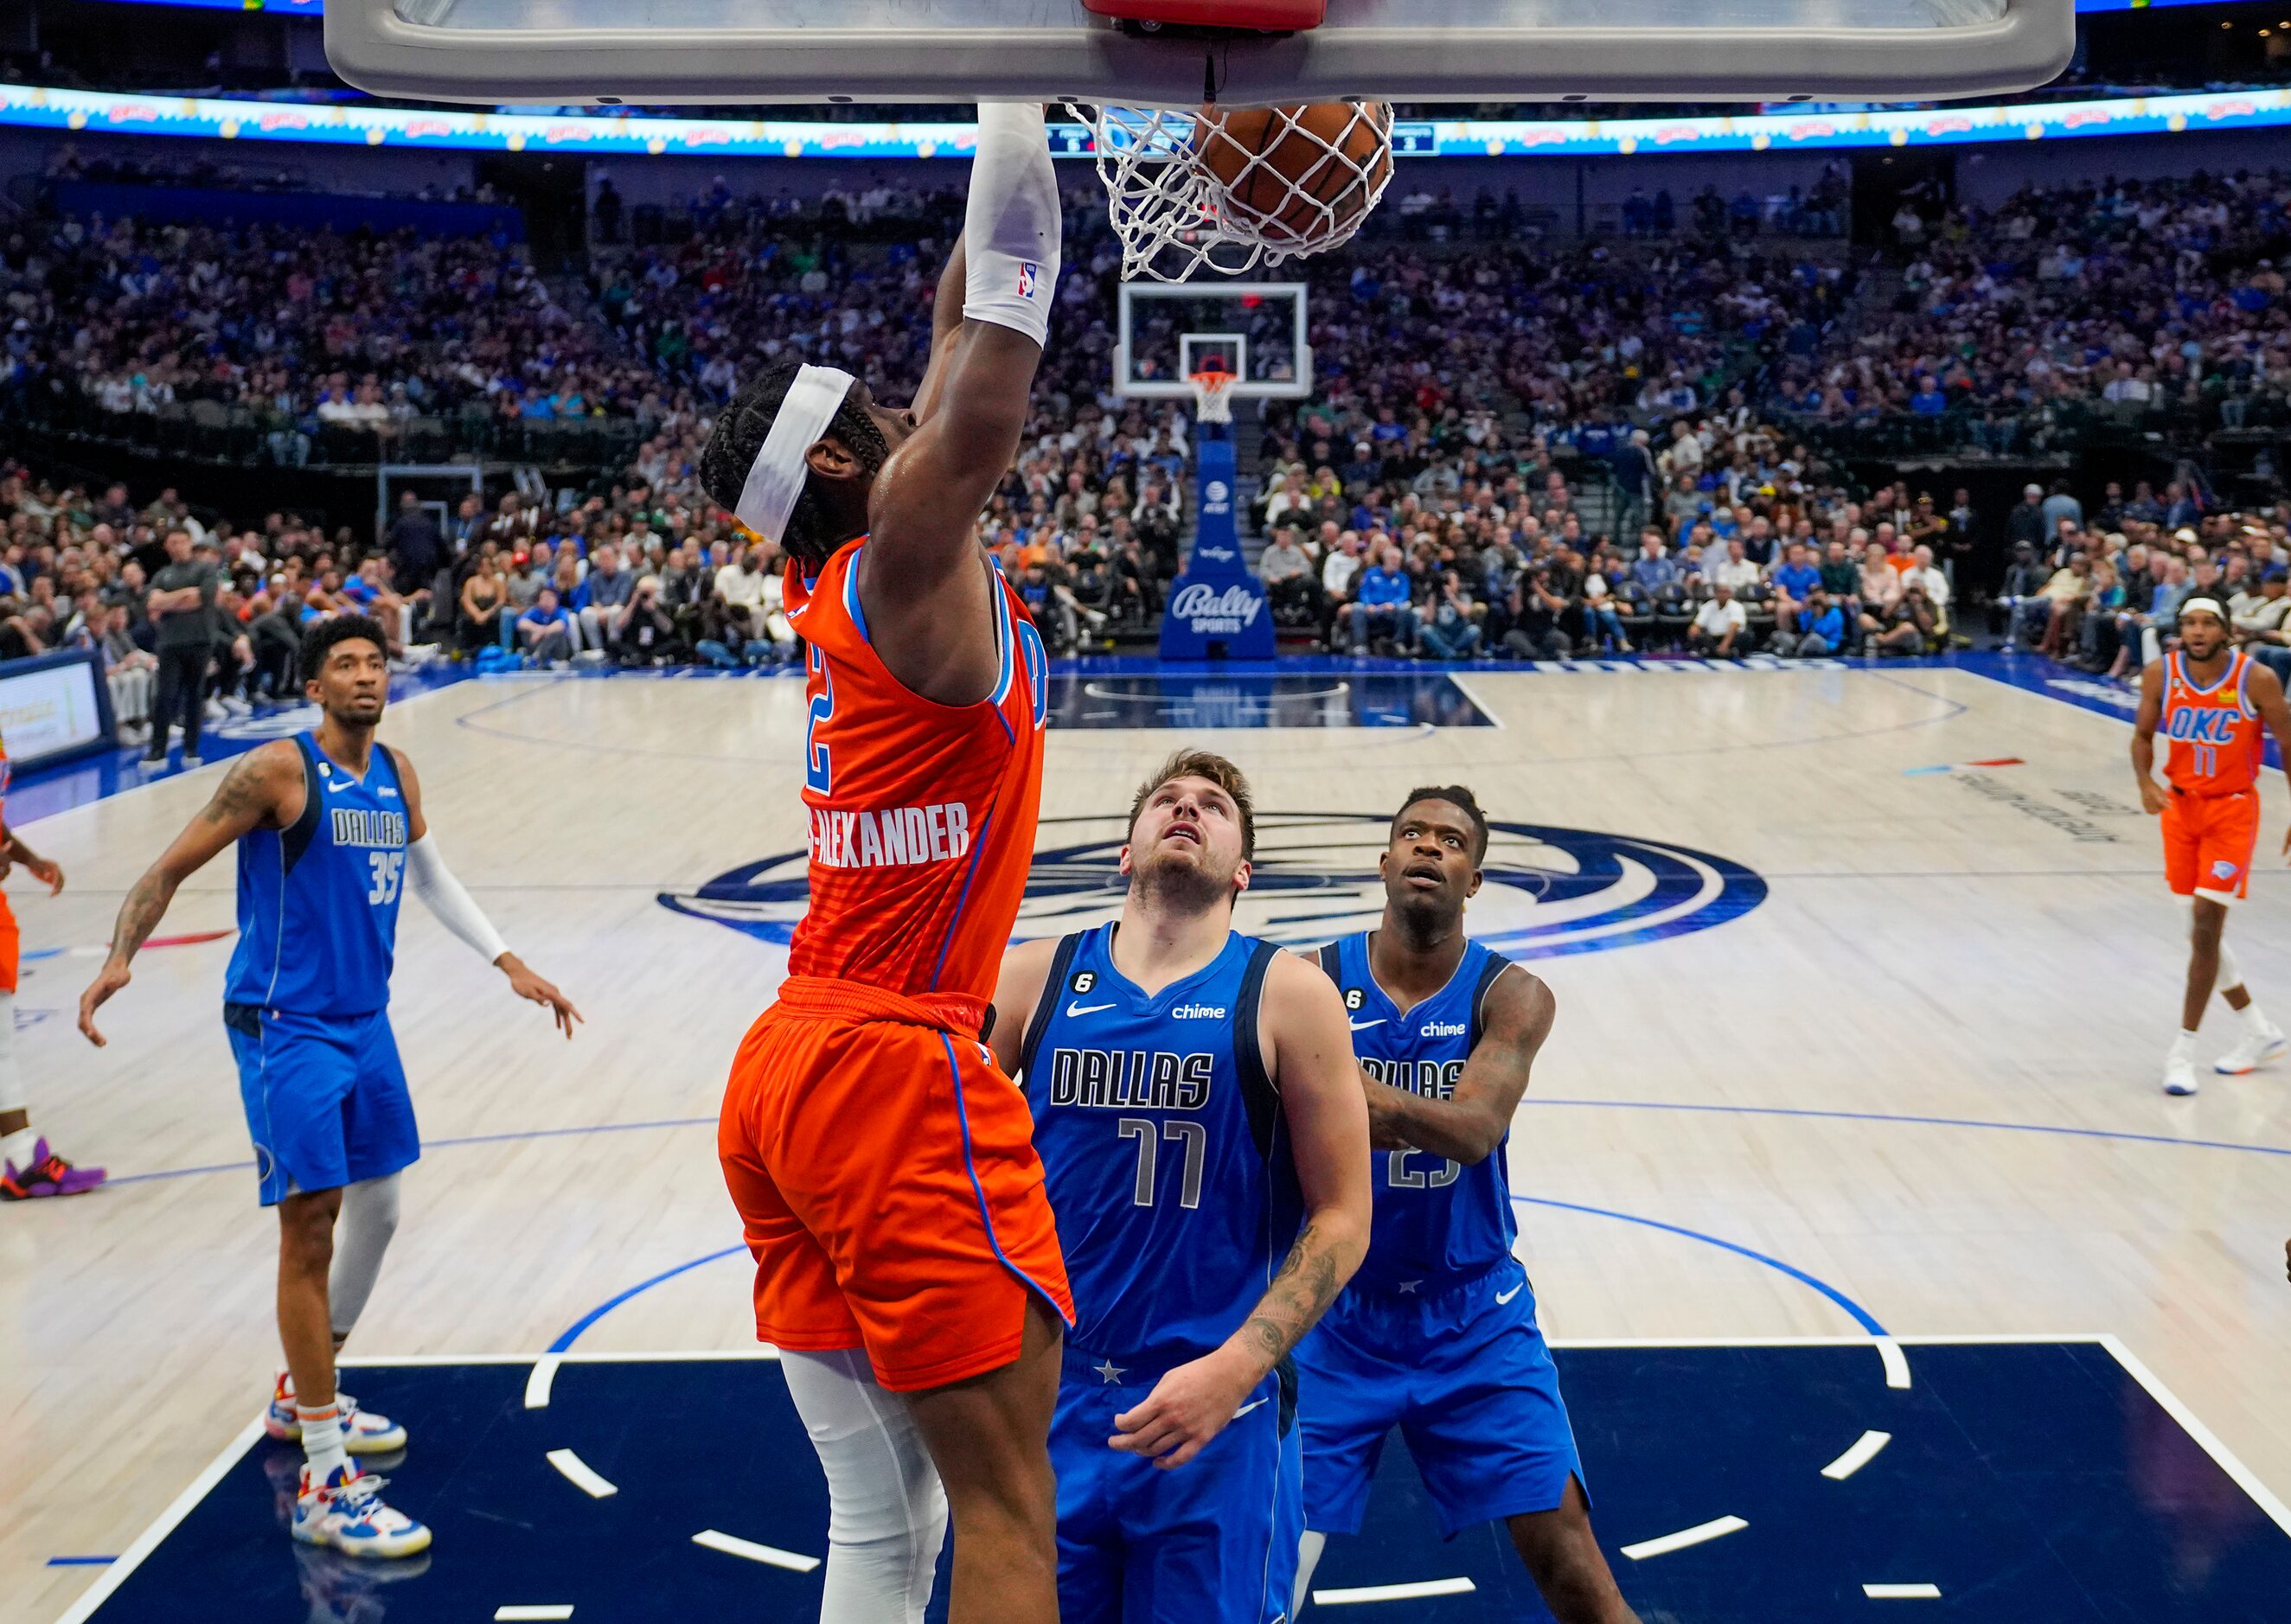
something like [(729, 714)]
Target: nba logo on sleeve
[(1028, 270)]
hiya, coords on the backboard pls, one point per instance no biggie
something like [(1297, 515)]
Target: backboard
[(1169, 328), (660, 51)]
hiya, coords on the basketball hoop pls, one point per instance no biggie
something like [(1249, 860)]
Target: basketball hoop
[(1177, 214), (1212, 395)]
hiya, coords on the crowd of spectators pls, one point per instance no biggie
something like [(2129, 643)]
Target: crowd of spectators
[(1511, 451), (2131, 301)]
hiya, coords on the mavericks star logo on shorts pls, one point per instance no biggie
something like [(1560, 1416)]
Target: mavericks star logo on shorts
[(1549, 890)]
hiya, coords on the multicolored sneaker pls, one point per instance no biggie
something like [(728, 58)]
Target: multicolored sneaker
[(48, 1174), (363, 1433), (346, 1513)]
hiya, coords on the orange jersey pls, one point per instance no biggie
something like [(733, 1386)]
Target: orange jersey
[(2213, 734), (922, 815)]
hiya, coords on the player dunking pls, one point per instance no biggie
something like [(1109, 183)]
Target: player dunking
[(884, 1168), (329, 826), (1437, 1333), (28, 1169), (1200, 1123), (2209, 700)]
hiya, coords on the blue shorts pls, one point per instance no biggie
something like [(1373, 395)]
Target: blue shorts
[(1212, 1540), (326, 1102), (1466, 1377)]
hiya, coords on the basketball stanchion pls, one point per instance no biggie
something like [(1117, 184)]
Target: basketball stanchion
[(1217, 609)]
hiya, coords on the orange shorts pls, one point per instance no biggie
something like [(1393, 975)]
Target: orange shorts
[(2208, 840), (885, 1172), (11, 947)]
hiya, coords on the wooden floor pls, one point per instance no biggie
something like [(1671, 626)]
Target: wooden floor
[(1989, 946)]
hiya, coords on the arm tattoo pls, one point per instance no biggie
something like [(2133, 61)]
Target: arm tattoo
[(139, 916), (240, 791), (1300, 1294)]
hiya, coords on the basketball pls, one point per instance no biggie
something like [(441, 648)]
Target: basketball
[(1304, 177)]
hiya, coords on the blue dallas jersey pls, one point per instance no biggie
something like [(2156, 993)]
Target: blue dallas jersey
[(1162, 1147), (1435, 1221), (318, 902)]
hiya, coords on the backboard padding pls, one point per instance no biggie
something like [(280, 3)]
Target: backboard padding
[(922, 50)]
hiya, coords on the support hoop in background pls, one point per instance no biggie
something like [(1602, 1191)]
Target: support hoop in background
[(1212, 395)]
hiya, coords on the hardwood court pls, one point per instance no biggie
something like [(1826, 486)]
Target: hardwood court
[(1899, 1030)]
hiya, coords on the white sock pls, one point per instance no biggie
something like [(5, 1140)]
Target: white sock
[(322, 1439), (2183, 1046), (17, 1147), (2255, 1022)]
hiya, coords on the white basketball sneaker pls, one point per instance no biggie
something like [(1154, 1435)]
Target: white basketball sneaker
[(363, 1433), (346, 1512), (2255, 1049), (2179, 1073)]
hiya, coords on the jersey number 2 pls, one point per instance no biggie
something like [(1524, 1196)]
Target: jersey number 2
[(389, 870), (816, 774)]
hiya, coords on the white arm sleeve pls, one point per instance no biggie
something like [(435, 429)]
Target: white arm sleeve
[(1011, 223), (443, 895)]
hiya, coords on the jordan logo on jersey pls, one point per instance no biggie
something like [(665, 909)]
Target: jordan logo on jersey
[(893, 838), (359, 826)]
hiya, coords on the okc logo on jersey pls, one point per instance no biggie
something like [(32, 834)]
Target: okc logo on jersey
[(1549, 890), (2203, 724)]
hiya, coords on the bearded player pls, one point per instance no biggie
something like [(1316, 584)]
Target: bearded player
[(883, 1165), (2209, 699), (1200, 1118), (330, 832), (1437, 1333)]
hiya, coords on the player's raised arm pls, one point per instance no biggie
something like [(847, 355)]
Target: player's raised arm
[(2144, 735), (263, 790), (1307, 1040), (1469, 1125), (921, 582), (445, 896)]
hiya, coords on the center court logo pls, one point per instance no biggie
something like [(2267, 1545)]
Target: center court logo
[(1550, 891)]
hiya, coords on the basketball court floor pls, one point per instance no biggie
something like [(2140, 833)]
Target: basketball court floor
[(1885, 1277)]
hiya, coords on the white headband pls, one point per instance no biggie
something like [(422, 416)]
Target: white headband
[(775, 479)]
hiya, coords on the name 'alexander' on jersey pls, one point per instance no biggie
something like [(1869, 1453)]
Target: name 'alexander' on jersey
[(894, 837)]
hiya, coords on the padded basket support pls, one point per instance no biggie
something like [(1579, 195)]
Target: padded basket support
[(1253, 16)]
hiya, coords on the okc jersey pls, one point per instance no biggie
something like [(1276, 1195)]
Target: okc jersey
[(922, 815), (1437, 1222), (1161, 1145), (1167, 1165), (318, 902), (2213, 733)]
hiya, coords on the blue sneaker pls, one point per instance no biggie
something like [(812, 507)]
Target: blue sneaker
[(346, 1512), (363, 1433)]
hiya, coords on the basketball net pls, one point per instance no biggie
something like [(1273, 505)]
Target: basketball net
[(1176, 218), (1212, 397)]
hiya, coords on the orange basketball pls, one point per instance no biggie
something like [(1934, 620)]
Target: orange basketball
[(1302, 177)]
